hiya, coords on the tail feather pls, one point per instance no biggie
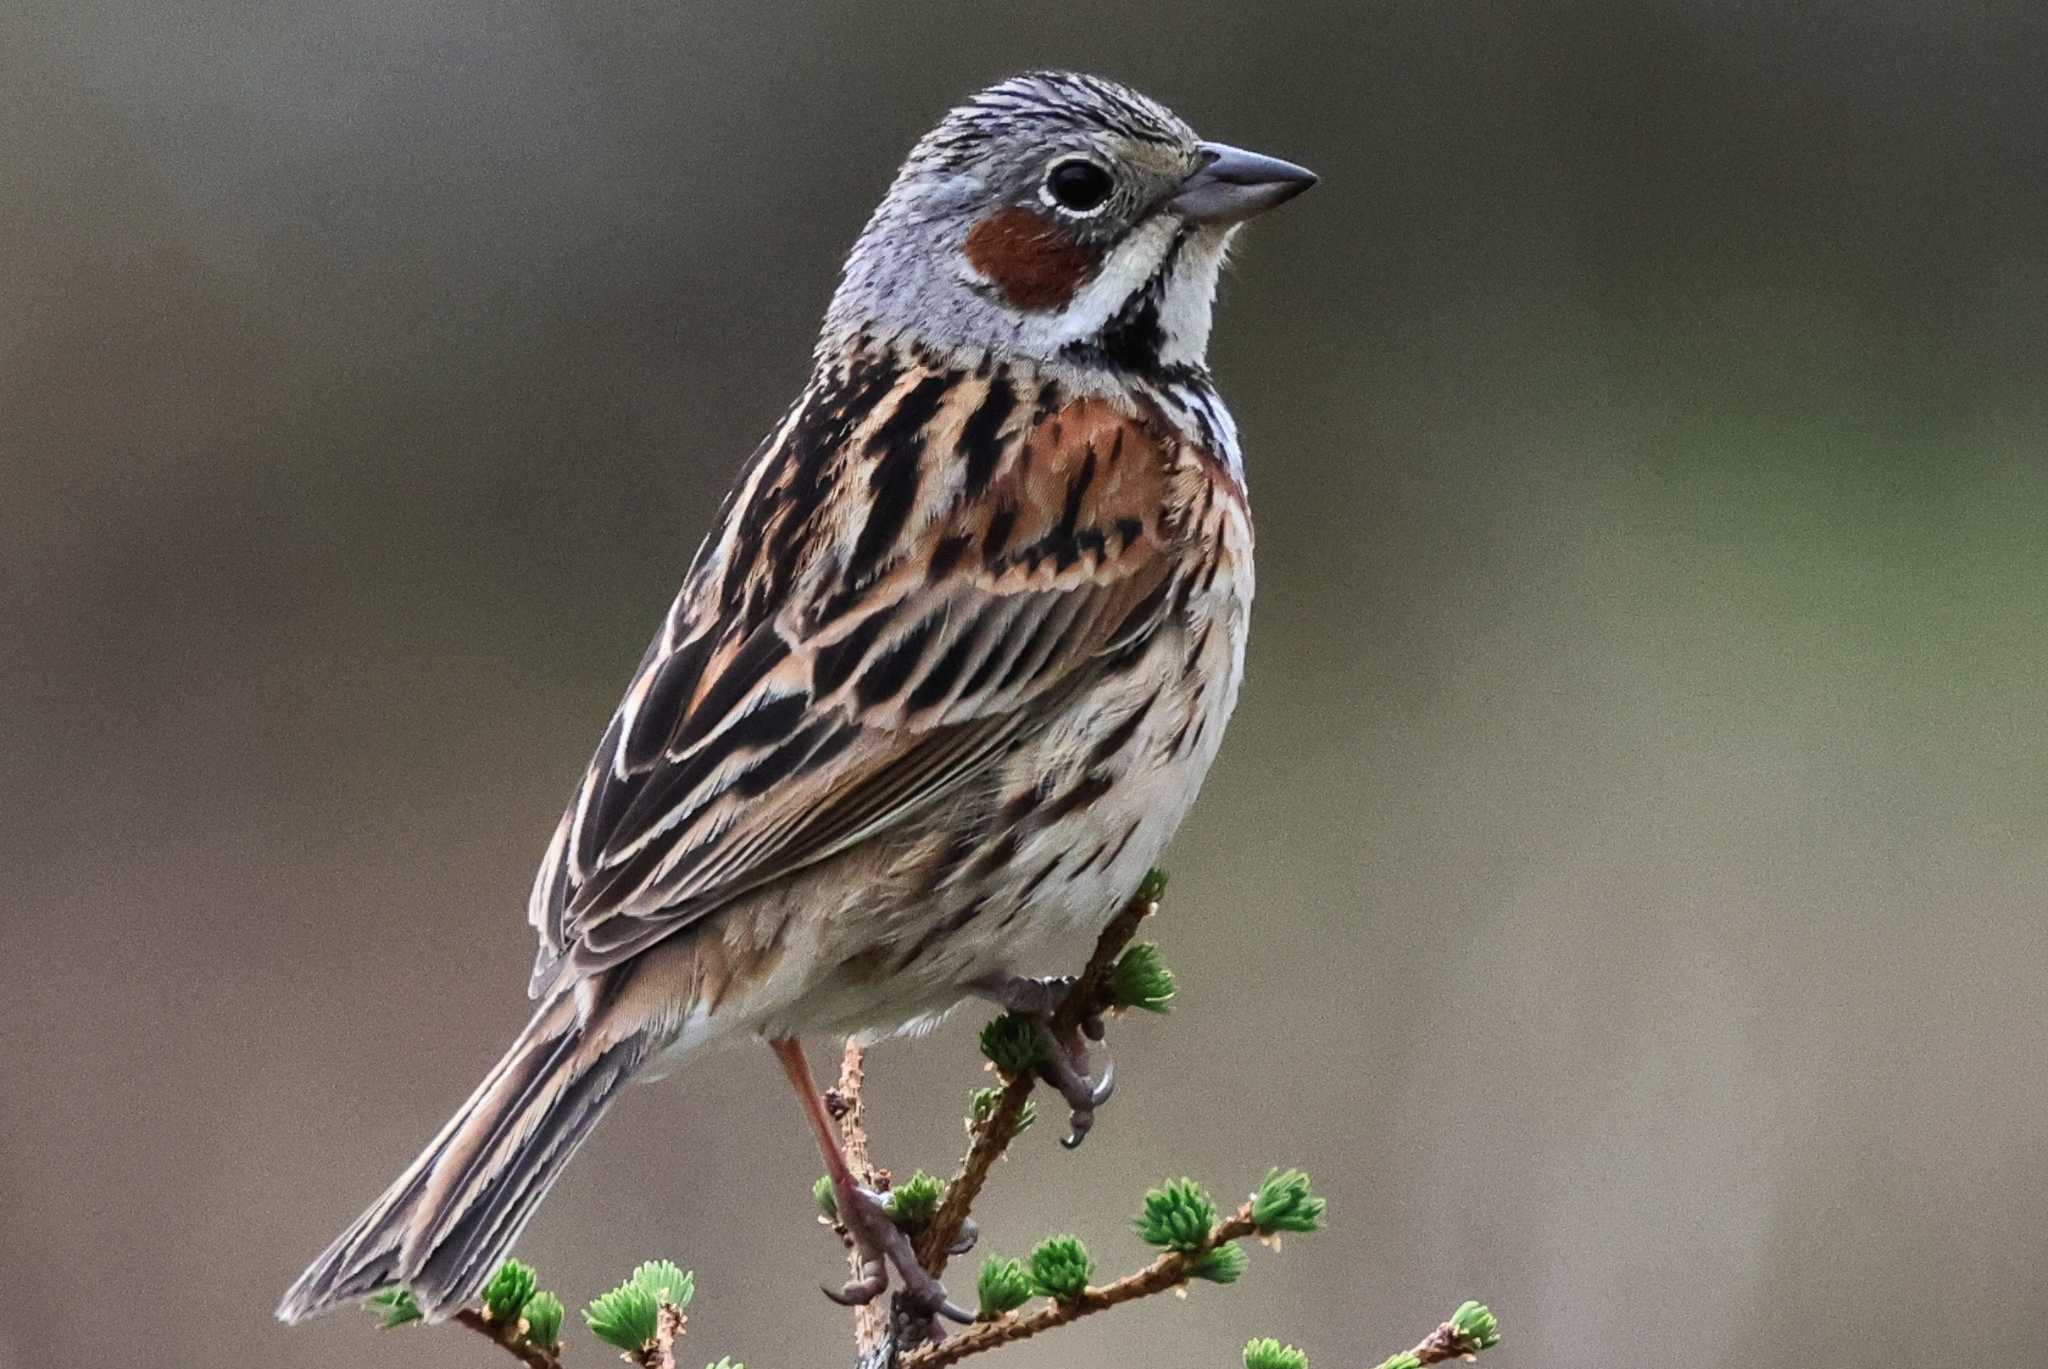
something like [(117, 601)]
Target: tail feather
[(443, 1224), (474, 1243)]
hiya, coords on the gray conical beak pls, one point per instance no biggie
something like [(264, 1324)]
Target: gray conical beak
[(1233, 185)]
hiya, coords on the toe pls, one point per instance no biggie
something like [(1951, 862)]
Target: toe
[(859, 1292)]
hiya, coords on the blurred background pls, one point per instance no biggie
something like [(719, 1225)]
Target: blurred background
[(1623, 886)]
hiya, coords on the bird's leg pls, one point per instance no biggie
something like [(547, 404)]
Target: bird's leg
[(1066, 1053), (864, 1213)]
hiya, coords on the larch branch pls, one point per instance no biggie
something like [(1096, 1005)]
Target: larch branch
[(870, 1320), (506, 1336), (1170, 1270), (992, 1136)]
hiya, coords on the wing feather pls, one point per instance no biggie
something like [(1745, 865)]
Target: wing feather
[(897, 652)]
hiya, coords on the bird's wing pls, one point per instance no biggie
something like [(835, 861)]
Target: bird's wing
[(913, 567)]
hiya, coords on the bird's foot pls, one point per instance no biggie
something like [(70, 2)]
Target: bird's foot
[(881, 1245), (1066, 1069), (1065, 1066)]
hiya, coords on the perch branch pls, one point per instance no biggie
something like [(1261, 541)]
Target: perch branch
[(1448, 1341), (505, 1335), (993, 1135), (1170, 1270), (667, 1331), (870, 1320)]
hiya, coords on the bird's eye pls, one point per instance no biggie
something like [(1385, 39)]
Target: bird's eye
[(1078, 185)]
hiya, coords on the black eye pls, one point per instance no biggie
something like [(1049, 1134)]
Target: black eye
[(1078, 185)]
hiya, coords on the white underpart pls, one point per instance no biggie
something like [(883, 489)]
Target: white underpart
[(1189, 303), (697, 1030)]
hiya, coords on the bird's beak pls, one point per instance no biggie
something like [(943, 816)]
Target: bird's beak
[(1232, 185)]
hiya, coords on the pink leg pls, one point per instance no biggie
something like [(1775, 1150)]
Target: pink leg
[(797, 1066), (865, 1215)]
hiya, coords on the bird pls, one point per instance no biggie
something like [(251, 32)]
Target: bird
[(937, 688)]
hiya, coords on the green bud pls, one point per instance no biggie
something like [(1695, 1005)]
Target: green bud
[(1012, 1043), (666, 1282), (1004, 1285), (1141, 980), (1152, 888), (827, 1200), (1178, 1216), (913, 1202), (1476, 1326), (1267, 1353), (725, 1362), (1285, 1202), (395, 1307), (982, 1106), (1061, 1268), (1225, 1264), (624, 1317), (508, 1290), (543, 1317)]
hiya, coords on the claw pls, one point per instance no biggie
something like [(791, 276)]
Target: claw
[(1066, 1062), (1107, 1085), (859, 1292), (952, 1311), (1082, 1119), (863, 1214), (1063, 1069), (883, 1245)]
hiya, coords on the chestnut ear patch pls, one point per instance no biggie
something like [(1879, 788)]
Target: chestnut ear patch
[(1034, 263)]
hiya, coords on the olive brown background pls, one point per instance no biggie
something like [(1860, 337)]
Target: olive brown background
[(1622, 888)]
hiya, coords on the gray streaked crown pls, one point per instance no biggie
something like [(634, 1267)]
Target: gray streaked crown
[(1052, 104)]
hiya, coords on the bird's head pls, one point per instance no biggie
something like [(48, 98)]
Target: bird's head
[(1056, 217)]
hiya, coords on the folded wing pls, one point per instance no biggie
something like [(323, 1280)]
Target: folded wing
[(910, 573)]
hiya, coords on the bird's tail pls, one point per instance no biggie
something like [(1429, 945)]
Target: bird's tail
[(441, 1229)]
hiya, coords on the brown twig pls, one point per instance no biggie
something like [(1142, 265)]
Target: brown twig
[(506, 1336), (870, 1320), (896, 1337), (874, 1343), (1446, 1342), (668, 1329), (1168, 1271), (995, 1132)]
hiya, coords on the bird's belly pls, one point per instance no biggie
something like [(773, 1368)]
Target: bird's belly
[(1021, 876)]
